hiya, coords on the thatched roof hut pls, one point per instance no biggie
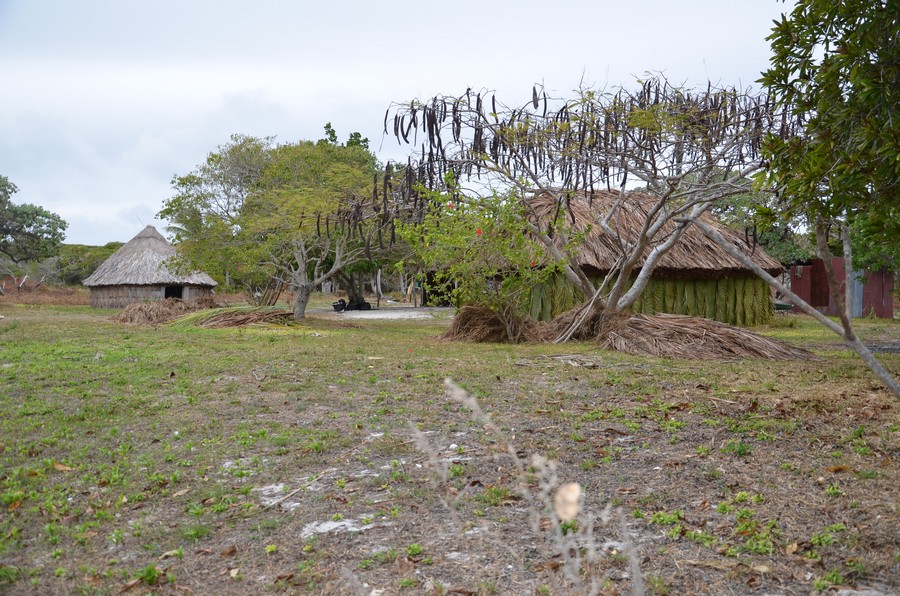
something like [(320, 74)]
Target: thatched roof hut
[(137, 272), (694, 278)]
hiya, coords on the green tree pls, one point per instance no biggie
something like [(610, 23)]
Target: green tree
[(77, 261), (27, 232), (206, 210), (479, 252), (836, 67), (312, 216), (272, 216)]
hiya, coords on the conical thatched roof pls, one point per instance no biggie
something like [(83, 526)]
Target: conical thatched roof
[(693, 256), (141, 262)]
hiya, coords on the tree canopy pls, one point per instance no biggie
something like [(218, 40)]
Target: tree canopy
[(270, 216), (835, 66), (27, 232)]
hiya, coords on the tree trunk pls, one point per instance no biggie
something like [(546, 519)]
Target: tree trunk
[(301, 299), (354, 286), (378, 289)]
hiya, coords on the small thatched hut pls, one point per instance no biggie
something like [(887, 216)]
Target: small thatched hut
[(695, 278), (137, 272)]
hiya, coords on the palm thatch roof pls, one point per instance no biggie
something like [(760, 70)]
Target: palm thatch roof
[(141, 262), (693, 256)]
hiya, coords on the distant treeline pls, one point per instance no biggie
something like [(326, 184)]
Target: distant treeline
[(76, 262)]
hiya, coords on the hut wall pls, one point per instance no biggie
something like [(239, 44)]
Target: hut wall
[(744, 301), (878, 299), (194, 292), (119, 296), (736, 300), (553, 297)]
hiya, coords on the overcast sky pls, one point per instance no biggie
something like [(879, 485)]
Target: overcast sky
[(102, 102)]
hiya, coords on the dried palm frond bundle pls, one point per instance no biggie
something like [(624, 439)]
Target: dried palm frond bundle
[(160, 311), (664, 335), (476, 323), (593, 322), (236, 316), (677, 336)]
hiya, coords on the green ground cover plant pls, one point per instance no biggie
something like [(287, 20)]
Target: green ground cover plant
[(286, 459)]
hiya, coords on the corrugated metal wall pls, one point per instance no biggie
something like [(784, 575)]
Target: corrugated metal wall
[(870, 290)]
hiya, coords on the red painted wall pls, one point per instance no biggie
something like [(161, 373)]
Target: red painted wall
[(810, 283)]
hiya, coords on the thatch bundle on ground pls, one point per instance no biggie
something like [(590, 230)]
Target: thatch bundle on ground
[(161, 311), (476, 323), (236, 316), (677, 336), (694, 278), (671, 336), (138, 272)]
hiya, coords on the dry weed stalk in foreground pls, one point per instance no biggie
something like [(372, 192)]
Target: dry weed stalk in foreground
[(554, 508)]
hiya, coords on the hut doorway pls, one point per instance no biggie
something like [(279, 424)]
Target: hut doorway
[(174, 292)]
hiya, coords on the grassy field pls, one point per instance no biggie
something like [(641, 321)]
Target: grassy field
[(328, 458)]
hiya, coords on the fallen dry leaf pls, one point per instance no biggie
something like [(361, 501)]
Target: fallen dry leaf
[(791, 548), (61, 467), (181, 493), (234, 572), (169, 553), (837, 469), (228, 551), (14, 505)]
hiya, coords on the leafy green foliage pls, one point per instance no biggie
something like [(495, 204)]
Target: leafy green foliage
[(207, 206), (837, 66), (266, 215), (480, 252), (27, 232), (77, 261), (755, 214)]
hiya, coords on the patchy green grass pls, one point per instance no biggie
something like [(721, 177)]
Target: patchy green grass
[(267, 459)]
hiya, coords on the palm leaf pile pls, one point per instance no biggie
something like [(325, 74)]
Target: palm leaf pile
[(678, 336), (235, 316), (161, 311), (662, 335)]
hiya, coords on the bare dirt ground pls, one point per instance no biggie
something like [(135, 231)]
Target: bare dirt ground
[(328, 459)]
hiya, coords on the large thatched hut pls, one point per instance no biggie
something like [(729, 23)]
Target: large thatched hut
[(137, 272), (694, 278)]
